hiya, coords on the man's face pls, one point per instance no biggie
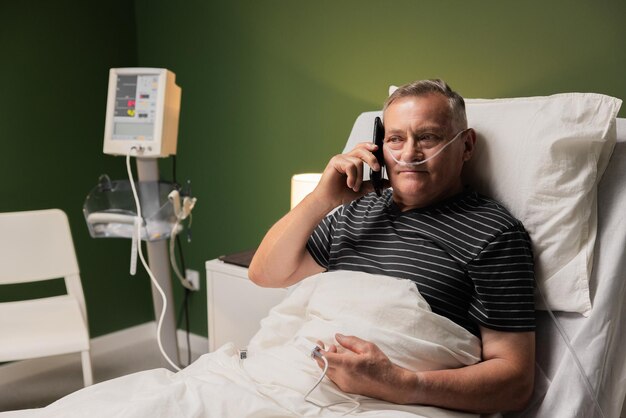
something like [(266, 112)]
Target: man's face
[(407, 120)]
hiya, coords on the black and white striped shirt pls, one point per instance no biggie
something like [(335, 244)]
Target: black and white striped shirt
[(470, 259)]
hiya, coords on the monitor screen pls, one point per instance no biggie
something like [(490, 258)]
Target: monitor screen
[(135, 106), (142, 113)]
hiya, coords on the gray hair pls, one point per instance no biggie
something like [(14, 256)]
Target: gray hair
[(422, 88)]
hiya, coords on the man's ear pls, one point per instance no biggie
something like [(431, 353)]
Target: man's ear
[(470, 143)]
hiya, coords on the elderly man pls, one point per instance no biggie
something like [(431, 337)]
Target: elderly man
[(469, 258)]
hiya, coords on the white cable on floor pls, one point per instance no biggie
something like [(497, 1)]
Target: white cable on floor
[(145, 264)]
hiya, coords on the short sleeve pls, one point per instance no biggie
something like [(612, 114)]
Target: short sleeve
[(504, 282), (320, 241)]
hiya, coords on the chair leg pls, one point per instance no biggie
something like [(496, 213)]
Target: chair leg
[(87, 372)]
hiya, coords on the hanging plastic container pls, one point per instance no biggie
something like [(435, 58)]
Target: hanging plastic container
[(110, 209)]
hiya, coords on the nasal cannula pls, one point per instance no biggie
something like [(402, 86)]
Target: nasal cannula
[(416, 163)]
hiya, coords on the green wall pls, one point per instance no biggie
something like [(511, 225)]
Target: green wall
[(55, 58), (270, 88)]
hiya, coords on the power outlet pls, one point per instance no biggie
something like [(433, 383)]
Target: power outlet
[(194, 278)]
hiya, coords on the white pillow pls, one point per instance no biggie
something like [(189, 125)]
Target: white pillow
[(542, 158)]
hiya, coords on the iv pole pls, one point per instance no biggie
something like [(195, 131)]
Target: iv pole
[(158, 259), (144, 103)]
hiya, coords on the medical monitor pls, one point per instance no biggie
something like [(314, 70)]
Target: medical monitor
[(143, 106)]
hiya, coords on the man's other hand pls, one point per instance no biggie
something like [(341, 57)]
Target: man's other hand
[(360, 367)]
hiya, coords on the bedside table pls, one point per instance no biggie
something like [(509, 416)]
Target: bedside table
[(235, 305)]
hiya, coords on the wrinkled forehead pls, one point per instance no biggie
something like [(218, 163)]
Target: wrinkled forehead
[(418, 113)]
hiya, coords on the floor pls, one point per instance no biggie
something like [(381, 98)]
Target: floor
[(45, 388)]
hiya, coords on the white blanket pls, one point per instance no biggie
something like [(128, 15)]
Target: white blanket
[(272, 381)]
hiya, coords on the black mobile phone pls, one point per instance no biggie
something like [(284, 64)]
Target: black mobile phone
[(376, 177)]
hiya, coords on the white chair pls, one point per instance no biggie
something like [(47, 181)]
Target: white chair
[(35, 246)]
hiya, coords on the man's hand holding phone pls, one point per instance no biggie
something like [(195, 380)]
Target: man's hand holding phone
[(342, 180), (282, 259)]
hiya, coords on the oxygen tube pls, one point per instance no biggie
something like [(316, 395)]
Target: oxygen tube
[(416, 163)]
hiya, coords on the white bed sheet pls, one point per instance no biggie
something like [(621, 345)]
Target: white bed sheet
[(279, 371)]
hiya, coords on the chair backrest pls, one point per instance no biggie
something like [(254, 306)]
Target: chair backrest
[(37, 245)]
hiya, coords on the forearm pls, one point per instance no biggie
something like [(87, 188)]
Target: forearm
[(486, 387), (503, 381), (282, 251), (282, 259)]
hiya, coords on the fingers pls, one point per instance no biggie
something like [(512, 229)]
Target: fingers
[(354, 344), (342, 180), (364, 151), (356, 365), (352, 168), (351, 164), (331, 348), (349, 347), (334, 359)]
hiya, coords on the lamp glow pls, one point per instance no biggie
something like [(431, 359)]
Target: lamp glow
[(302, 185)]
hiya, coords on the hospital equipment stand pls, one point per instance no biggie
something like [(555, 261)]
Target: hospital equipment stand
[(158, 259)]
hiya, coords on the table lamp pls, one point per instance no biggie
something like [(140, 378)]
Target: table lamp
[(302, 185)]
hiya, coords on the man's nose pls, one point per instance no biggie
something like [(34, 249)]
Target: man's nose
[(412, 151)]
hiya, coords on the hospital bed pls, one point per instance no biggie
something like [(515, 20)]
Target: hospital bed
[(597, 339), (600, 339)]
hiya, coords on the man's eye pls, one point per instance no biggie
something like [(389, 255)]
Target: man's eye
[(429, 139), (394, 139)]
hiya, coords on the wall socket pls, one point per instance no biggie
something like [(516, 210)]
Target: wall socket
[(194, 278)]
